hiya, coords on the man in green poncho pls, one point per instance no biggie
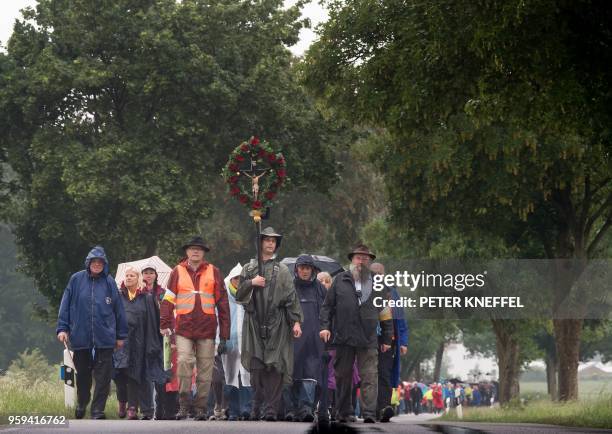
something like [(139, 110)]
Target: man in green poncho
[(272, 316)]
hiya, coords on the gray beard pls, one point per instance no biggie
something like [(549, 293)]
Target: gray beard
[(360, 273)]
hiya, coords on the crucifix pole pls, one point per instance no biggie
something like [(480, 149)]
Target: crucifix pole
[(255, 174)]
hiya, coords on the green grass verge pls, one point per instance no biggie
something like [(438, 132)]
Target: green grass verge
[(592, 413), (20, 396), (587, 389)]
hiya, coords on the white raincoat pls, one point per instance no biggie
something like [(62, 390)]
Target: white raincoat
[(231, 357)]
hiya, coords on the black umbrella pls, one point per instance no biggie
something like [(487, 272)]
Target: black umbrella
[(323, 263)]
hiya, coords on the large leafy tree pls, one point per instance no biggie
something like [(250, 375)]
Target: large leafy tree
[(117, 117), (497, 116), (22, 327)]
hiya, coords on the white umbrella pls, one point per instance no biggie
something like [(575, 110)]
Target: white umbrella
[(163, 270)]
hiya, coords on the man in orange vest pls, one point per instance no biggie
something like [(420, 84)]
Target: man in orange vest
[(195, 290)]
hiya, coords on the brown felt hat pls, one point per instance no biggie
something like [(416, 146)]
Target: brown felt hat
[(361, 249)]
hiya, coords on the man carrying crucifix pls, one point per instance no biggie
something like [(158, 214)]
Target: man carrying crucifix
[(267, 346)]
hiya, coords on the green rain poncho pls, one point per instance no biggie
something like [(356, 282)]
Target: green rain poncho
[(283, 310)]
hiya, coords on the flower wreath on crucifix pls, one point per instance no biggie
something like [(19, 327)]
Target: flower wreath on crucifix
[(266, 170)]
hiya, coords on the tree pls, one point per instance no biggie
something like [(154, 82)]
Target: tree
[(117, 117), (22, 327), (505, 119)]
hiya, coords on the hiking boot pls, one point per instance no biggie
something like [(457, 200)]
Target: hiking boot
[(387, 414), (270, 417), (79, 412), (183, 413), (308, 417), (200, 415)]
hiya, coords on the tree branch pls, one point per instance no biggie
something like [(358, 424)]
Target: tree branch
[(599, 236), (598, 214), (585, 206), (601, 185)]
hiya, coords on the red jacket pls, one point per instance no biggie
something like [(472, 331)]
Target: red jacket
[(197, 324)]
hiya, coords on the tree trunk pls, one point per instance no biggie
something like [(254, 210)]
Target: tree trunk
[(552, 369), (438, 363), (508, 360), (567, 340), (567, 324), (417, 372), (151, 248)]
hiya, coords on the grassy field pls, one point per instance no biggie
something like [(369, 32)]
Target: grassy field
[(593, 409), (593, 413), (20, 396)]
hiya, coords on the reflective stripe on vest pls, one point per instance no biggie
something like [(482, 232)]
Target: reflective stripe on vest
[(186, 293)]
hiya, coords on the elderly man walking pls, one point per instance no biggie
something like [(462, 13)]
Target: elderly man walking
[(350, 308), (196, 292), (267, 347), (92, 319)]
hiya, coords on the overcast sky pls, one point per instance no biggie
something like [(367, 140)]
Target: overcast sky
[(9, 10)]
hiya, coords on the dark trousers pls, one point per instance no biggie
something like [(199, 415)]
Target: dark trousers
[(238, 398), (127, 388), (299, 398), (145, 398), (367, 363), (98, 367), (385, 366), (137, 395), (267, 386), (166, 403)]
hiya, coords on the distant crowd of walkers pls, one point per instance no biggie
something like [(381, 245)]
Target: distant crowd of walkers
[(260, 344), (413, 397)]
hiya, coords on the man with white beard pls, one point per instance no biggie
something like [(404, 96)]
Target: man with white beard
[(349, 307)]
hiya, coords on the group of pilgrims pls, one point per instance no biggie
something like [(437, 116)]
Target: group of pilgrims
[(270, 344)]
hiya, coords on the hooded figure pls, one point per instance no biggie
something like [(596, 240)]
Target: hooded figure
[(92, 318), (307, 349), (106, 321), (231, 358), (237, 379)]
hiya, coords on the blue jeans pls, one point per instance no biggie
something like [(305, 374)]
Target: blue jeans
[(299, 398), (239, 399)]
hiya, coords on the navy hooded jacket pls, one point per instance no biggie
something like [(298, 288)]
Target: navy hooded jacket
[(91, 310)]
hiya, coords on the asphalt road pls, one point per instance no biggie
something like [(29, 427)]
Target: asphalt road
[(422, 424)]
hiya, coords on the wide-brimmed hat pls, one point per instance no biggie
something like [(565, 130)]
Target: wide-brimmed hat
[(196, 241), (361, 249), (270, 232)]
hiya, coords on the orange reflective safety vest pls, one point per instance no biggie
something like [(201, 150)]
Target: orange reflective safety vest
[(186, 293)]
